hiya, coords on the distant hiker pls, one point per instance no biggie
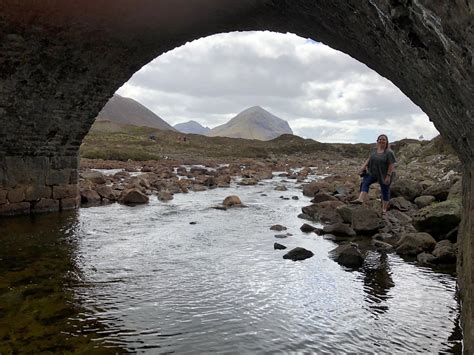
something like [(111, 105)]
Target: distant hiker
[(184, 138), (379, 166)]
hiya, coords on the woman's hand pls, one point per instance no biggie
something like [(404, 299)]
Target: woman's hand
[(386, 180)]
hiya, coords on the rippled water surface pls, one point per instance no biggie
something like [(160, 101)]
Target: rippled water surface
[(144, 279)]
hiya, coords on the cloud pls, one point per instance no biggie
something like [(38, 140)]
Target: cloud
[(323, 94)]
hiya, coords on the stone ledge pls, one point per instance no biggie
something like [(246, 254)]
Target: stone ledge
[(70, 203), (65, 191), (3, 197), (16, 195), (45, 205), (34, 193), (11, 209)]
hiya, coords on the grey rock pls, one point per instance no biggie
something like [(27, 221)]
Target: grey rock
[(298, 253), (347, 255)]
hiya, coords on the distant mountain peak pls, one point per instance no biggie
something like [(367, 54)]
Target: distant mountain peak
[(125, 110), (253, 123), (191, 127)]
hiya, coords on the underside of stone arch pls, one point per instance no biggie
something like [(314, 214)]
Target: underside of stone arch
[(62, 60)]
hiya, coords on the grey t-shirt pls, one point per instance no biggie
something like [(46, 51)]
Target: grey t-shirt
[(379, 162)]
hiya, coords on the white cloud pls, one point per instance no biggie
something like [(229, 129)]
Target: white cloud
[(323, 94)]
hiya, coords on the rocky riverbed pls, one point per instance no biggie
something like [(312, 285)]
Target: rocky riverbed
[(422, 223)]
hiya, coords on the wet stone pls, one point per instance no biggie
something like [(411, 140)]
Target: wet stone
[(298, 253), (278, 246)]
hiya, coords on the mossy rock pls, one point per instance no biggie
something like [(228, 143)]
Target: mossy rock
[(439, 218)]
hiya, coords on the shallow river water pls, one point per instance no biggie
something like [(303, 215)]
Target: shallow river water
[(117, 278)]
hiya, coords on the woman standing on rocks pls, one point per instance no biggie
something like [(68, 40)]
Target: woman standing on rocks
[(378, 167)]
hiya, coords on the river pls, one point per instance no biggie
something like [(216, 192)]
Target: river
[(182, 277)]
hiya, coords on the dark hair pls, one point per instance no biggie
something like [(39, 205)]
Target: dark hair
[(388, 144)]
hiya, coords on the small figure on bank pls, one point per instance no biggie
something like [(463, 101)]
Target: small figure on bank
[(379, 166)]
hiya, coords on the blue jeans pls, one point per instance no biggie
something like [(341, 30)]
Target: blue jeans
[(369, 180)]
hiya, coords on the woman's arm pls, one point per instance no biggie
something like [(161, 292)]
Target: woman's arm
[(365, 165), (390, 170)]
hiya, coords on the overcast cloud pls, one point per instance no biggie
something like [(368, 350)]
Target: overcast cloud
[(323, 94)]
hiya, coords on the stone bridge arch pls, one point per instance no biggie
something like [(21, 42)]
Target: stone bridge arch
[(61, 60)]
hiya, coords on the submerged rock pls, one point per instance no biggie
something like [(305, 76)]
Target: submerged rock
[(232, 200), (165, 196), (306, 228), (298, 253), (347, 255), (278, 228), (278, 246), (133, 197)]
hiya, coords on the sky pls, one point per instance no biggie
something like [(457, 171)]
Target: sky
[(323, 93)]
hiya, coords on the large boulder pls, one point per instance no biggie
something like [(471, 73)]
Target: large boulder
[(439, 218), (339, 230), (412, 244), (345, 212), (347, 255), (366, 221), (323, 196), (311, 189), (133, 197), (324, 211), (406, 188), (89, 196), (424, 200), (439, 190), (94, 176), (298, 253), (401, 204), (106, 192), (444, 252)]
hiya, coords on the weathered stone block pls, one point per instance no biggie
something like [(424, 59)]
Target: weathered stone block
[(70, 203), (34, 193), (45, 205), (16, 195), (64, 162), (58, 177), (74, 177), (11, 209), (26, 170), (3, 196), (65, 191)]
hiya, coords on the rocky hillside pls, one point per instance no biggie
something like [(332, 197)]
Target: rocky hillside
[(191, 127), (123, 110), (253, 123)]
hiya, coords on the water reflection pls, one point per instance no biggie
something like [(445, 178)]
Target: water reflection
[(149, 281), (37, 274), (378, 281)]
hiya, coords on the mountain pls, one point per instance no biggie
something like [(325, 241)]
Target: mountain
[(123, 110), (253, 123), (191, 127)]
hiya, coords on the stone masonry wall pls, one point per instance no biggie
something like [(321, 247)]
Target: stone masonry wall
[(465, 265), (38, 184), (60, 61)]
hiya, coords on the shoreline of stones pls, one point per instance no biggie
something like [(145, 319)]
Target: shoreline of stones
[(421, 224)]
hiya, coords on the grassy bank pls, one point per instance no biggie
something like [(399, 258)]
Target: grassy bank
[(120, 142)]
